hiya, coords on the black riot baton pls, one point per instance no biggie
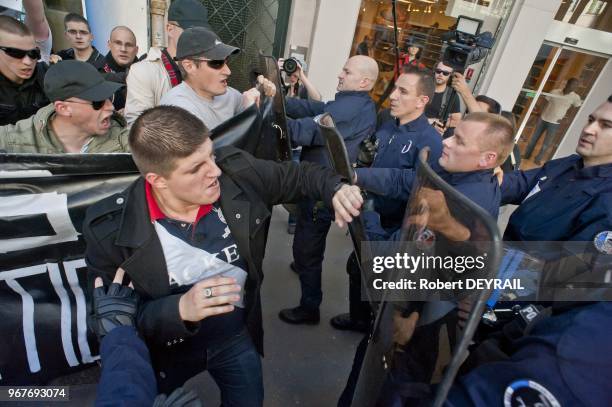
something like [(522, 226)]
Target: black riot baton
[(396, 67)]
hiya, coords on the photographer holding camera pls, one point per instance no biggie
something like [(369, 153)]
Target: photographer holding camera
[(296, 82)]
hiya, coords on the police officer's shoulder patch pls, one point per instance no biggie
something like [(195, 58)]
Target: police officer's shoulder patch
[(527, 393), (603, 242)]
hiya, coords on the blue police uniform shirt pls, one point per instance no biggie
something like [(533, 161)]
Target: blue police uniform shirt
[(566, 357), (354, 114), (481, 187), (398, 147), (561, 201)]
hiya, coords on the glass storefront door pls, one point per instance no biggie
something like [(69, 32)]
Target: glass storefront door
[(559, 80)]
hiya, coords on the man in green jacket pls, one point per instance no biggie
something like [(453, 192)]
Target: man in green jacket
[(80, 118)]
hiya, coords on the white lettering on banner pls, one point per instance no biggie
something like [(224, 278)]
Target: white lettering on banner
[(231, 253), (70, 268), (28, 323), (54, 205), (65, 312)]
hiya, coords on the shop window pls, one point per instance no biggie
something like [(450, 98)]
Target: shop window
[(418, 21), (595, 14)]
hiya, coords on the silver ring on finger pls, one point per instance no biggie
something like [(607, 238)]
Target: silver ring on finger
[(208, 292)]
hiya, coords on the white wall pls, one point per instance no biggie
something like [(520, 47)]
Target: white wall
[(518, 46), (103, 16), (600, 91), (301, 23), (330, 47)]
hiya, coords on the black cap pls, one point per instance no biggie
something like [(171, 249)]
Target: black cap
[(72, 78), (414, 42), (200, 41), (188, 13)]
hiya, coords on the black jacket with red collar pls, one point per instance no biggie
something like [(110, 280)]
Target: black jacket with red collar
[(119, 233)]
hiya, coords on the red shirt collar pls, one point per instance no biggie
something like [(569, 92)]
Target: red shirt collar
[(155, 213)]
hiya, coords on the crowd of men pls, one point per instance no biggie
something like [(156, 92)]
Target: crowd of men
[(190, 233)]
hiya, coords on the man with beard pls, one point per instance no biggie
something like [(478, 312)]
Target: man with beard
[(442, 99), (81, 118)]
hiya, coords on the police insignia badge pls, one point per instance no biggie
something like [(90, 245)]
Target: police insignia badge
[(527, 393), (603, 242)]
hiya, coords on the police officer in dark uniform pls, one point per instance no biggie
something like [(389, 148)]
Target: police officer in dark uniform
[(354, 114), (569, 198), (481, 142), (21, 75), (398, 143)]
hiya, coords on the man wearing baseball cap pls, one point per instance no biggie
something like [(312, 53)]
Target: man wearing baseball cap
[(80, 119), (157, 73), (204, 91)]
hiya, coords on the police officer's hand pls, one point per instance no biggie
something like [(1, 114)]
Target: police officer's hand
[(403, 328), (267, 86), (347, 202), (499, 173), (115, 307), (437, 217), (209, 297)]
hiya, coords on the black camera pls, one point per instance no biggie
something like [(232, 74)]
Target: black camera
[(290, 65), (466, 45)]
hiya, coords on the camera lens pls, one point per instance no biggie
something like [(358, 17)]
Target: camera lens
[(290, 65)]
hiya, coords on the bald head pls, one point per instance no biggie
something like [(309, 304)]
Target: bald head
[(122, 44), (123, 30), (358, 74)]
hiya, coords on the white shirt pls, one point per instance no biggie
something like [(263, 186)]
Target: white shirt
[(558, 105)]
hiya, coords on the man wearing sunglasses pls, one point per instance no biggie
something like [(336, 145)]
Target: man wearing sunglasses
[(21, 75), (80, 119), (157, 72), (204, 91), (442, 97)]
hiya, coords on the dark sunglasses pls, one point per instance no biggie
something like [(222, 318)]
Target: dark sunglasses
[(97, 105), (33, 53), (441, 72), (213, 63)]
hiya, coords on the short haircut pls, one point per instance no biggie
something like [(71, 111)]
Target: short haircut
[(11, 26), (426, 85), (163, 134), (499, 134), (494, 106), (75, 18)]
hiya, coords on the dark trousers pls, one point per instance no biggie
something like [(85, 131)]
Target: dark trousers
[(234, 364), (358, 309), (541, 127), (313, 223)]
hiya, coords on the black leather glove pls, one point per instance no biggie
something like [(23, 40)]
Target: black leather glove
[(114, 308), (367, 151)]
